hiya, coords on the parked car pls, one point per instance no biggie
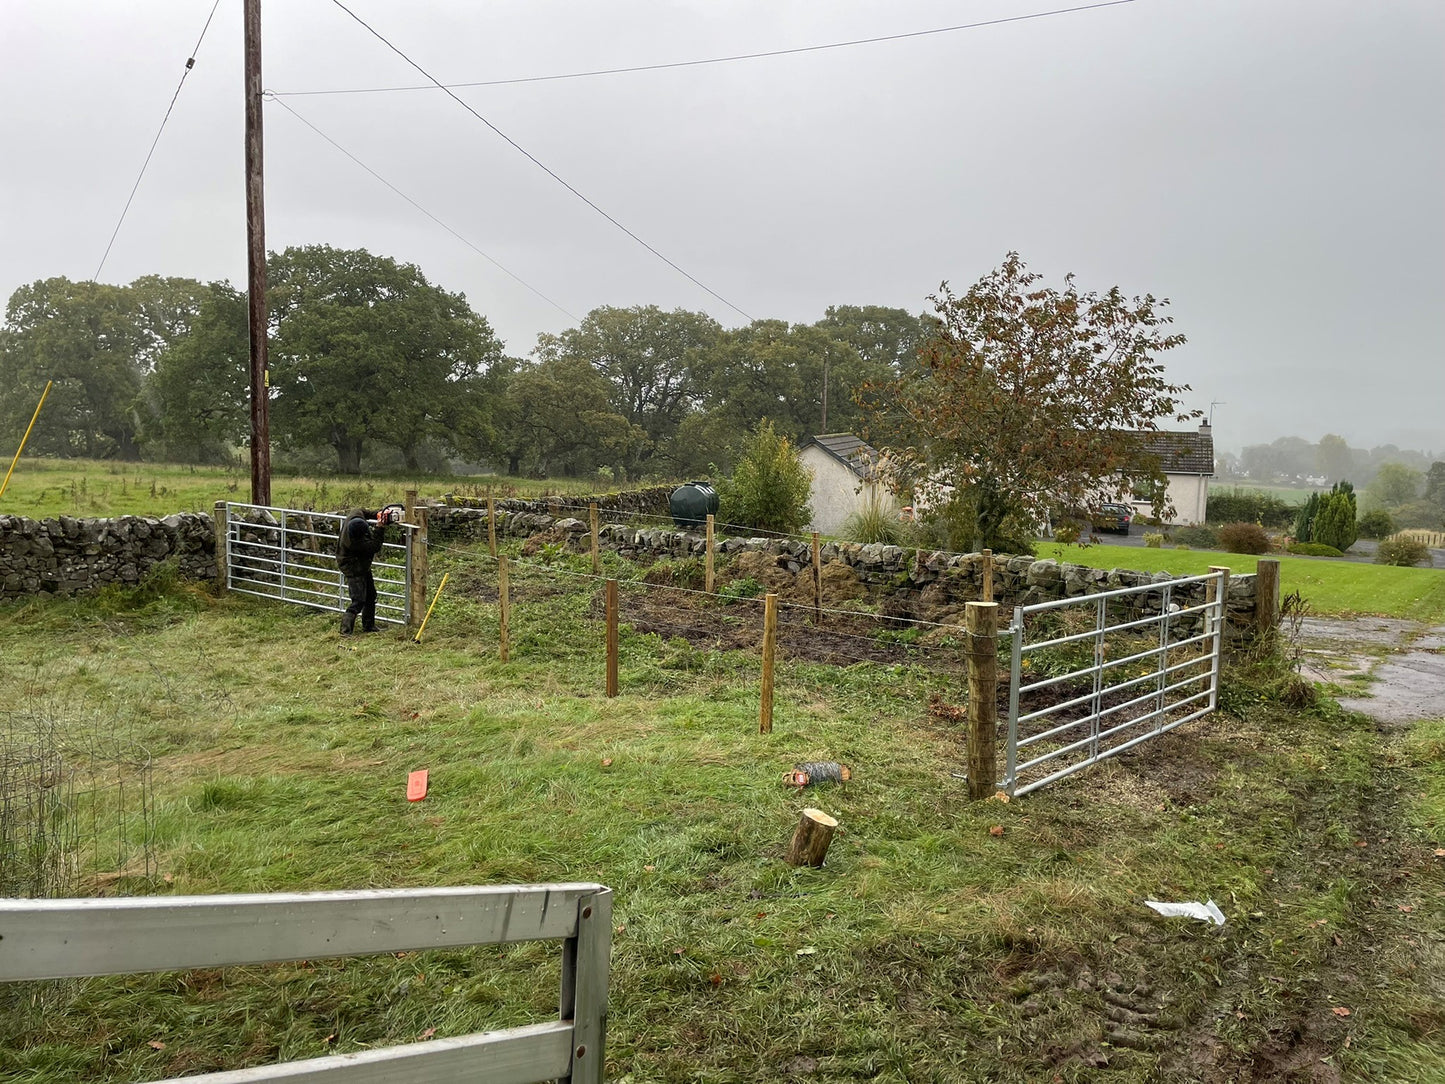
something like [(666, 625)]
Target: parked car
[(1112, 517)]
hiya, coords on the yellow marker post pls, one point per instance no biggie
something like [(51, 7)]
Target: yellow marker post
[(440, 587), (6, 484)]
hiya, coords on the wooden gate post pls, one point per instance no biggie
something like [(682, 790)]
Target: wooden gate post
[(770, 643), (504, 601), (985, 567), (611, 638), (416, 543), (223, 545), (1266, 596), (709, 579), (492, 525), (409, 503), (981, 623), (596, 542)]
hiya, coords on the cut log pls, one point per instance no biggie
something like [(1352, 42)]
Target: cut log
[(811, 839)]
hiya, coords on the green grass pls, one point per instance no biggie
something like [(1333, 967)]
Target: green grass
[(43, 488), (1344, 587), (281, 759)]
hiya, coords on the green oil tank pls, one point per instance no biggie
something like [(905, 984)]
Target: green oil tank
[(691, 503)]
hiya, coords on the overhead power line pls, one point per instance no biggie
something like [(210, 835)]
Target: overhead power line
[(486, 256), (190, 63), (713, 60), (540, 164)]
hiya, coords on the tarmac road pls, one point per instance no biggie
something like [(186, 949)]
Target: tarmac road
[(1363, 551)]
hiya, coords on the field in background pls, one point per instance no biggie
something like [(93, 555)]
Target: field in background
[(1005, 941), (43, 488), (1330, 587), (1290, 494)]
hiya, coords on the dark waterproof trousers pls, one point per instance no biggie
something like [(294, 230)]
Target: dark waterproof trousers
[(362, 588)]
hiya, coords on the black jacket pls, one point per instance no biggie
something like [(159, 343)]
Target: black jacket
[(360, 541)]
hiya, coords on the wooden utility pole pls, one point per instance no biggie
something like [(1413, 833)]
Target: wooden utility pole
[(256, 263)]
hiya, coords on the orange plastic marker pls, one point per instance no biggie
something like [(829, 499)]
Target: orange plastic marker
[(416, 786)]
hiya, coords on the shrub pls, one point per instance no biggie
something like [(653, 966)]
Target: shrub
[(769, 487), (747, 587), (1202, 538), (1376, 524), (874, 523), (1313, 549), (1067, 533), (1243, 538), (1334, 524), (1401, 551), (1153, 540), (1240, 505)]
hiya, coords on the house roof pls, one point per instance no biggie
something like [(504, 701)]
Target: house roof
[(1189, 452), (856, 454)]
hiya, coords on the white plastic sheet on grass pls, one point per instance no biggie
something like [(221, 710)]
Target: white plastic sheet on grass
[(1205, 912)]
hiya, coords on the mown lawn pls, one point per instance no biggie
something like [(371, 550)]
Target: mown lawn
[(944, 941), (1330, 587), (41, 488)]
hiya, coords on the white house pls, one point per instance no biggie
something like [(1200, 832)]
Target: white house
[(1188, 462), (847, 478)]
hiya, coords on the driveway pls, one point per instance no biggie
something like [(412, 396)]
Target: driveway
[(1390, 669)]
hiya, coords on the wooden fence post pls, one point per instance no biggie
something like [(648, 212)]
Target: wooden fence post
[(504, 600), (981, 623), (985, 566), (709, 579), (596, 541), (1266, 596), (817, 581), (492, 525), (611, 638), (223, 545), (770, 643), (409, 503), (416, 541)]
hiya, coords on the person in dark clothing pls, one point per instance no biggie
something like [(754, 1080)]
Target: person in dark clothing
[(363, 533)]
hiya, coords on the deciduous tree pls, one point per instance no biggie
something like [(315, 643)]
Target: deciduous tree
[(1029, 397)]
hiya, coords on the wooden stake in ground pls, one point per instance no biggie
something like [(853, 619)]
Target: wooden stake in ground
[(709, 580), (817, 581), (408, 501), (981, 623), (770, 643), (596, 541), (611, 638), (1266, 596), (492, 526), (985, 571), (504, 602), (417, 542), (811, 838)]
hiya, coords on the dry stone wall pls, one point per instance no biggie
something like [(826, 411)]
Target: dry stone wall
[(69, 556), (934, 586)]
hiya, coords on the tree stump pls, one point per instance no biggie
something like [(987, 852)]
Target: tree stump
[(811, 839)]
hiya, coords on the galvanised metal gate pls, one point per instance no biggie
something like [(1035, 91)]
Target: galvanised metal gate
[(1108, 671), (290, 556)]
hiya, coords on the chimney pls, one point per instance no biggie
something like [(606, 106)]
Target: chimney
[(1204, 429)]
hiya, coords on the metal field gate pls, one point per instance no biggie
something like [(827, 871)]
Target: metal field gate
[(290, 556), (1095, 675)]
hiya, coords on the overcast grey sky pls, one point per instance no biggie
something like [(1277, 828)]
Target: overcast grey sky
[(1275, 167)]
